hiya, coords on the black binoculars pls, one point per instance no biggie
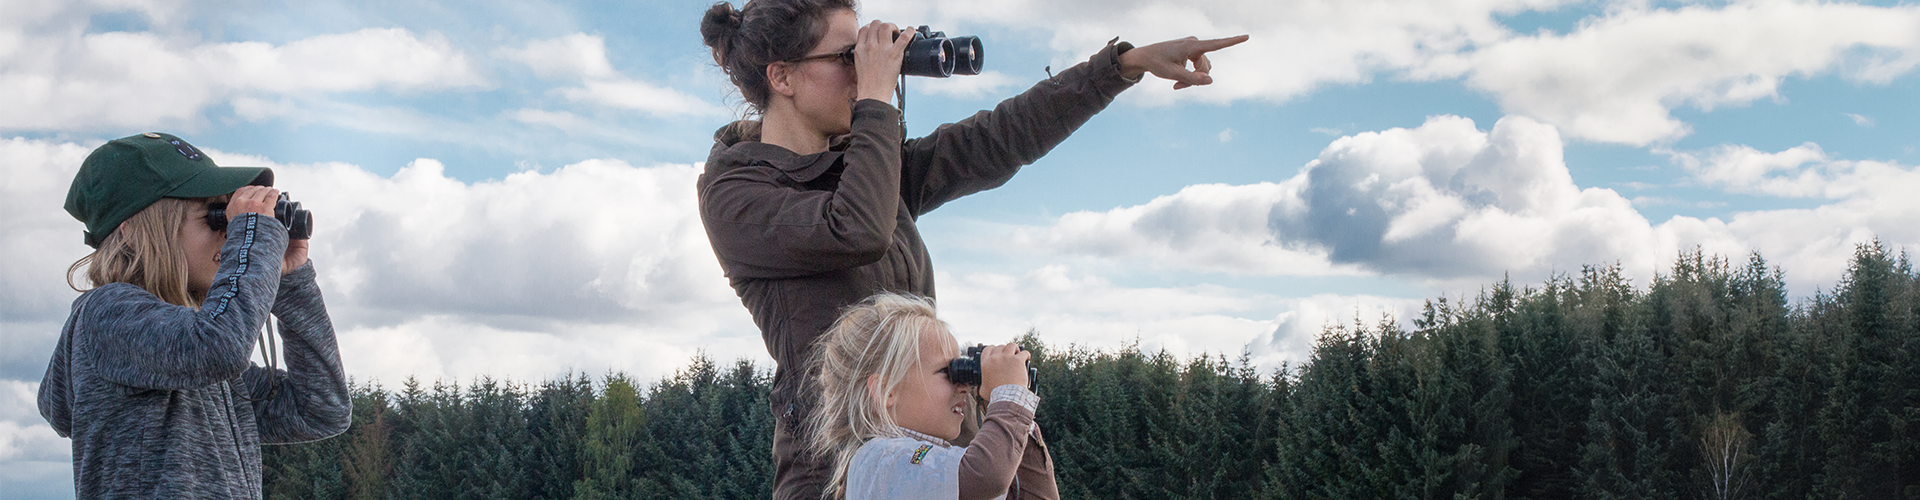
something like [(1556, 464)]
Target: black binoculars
[(932, 54), (299, 222), (966, 370)]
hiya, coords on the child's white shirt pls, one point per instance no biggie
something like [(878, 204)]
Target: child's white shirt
[(917, 466), (921, 466)]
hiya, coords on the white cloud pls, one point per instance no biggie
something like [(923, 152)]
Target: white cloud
[(1442, 202), (366, 59), (1742, 169), (582, 57), (1861, 120), (1658, 201), (1868, 199), (24, 435), (595, 242), (557, 119), (1452, 206), (455, 347), (40, 240), (1212, 227), (1803, 171), (1615, 78), (74, 80), (1066, 307), (574, 56), (640, 96)]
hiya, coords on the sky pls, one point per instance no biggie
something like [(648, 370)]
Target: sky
[(505, 188)]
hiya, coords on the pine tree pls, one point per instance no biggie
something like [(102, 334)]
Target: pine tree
[(1865, 417), (615, 429), (1631, 425), (1332, 451), (366, 456), (1549, 383), (493, 437), (556, 428), (427, 426)]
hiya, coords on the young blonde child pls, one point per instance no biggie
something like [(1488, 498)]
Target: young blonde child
[(888, 415), (151, 378)]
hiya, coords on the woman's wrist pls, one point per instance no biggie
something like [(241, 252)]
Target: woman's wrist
[(876, 92), (1132, 65)]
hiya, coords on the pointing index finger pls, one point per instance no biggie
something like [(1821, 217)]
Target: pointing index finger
[(1221, 43)]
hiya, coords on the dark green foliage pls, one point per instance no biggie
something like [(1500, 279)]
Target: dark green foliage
[(1706, 384), (556, 430), (720, 419), (616, 447)]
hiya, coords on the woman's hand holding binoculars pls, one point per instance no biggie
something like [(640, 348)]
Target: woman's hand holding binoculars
[(876, 57), (1169, 60), (1001, 365)]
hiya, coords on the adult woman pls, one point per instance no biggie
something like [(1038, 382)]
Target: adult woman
[(812, 208)]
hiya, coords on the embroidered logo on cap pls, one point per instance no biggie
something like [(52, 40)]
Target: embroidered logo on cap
[(185, 149), (921, 453)]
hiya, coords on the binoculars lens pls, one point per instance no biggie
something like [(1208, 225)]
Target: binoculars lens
[(967, 55), (932, 54), (928, 57)]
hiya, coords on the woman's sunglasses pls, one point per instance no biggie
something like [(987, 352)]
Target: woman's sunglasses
[(845, 57)]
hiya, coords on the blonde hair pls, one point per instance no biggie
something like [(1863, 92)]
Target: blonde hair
[(879, 336), (145, 251)]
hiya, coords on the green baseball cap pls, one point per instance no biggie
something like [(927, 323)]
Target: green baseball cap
[(127, 174)]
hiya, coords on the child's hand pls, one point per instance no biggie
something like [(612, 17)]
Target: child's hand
[(296, 256), (1001, 365), (252, 199), (260, 200)]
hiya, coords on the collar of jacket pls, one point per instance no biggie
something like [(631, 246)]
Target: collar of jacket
[(738, 144)]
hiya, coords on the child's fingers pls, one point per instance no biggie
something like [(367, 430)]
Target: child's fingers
[(252, 199)]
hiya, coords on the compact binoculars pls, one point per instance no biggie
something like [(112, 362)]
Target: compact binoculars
[(966, 370), (932, 54), (299, 222)]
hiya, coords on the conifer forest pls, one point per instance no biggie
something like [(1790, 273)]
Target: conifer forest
[(1707, 383)]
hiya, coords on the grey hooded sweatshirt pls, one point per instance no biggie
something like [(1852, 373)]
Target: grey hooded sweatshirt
[(161, 400)]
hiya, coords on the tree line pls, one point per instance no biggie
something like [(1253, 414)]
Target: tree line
[(1706, 384)]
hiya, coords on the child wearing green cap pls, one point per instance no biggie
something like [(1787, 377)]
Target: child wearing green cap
[(152, 378)]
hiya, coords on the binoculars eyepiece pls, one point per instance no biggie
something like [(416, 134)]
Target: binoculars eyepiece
[(931, 54), (966, 370), (299, 222)]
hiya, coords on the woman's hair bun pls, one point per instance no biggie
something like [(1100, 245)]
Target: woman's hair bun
[(718, 27)]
